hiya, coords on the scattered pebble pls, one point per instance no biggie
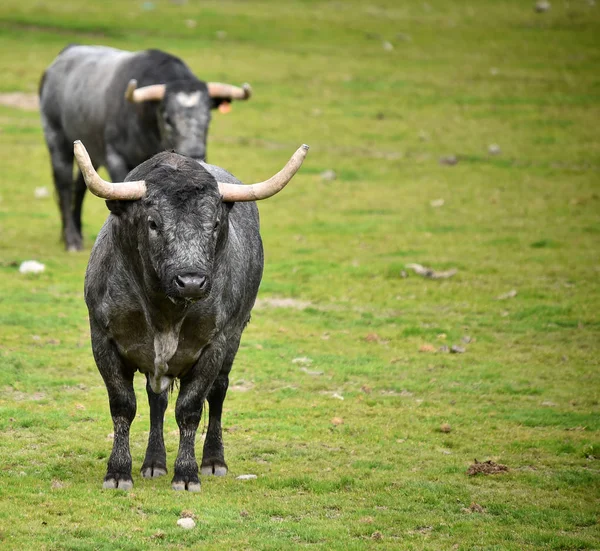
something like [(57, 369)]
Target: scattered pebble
[(186, 523), (31, 267), (190, 23), (302, 361), (466, 339), (494, 149), (328, 175), (377, 535), (455, 349), (445, 427), (510, 294), (444, 349), (426, 348), (310, 372), (449, 160), (337, 396), (437, 203), (246, 477), (337, 421), (388, 46), (542, 6), (430, 273), (41, 192)]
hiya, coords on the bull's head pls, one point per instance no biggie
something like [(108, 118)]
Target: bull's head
[(183, 110), (177, 214)]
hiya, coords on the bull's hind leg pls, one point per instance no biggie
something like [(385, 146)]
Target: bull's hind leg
[(155, 463), (213, 454), (61, 156)]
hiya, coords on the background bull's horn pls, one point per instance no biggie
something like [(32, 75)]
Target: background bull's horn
[(127, 191), (268, 188), (228, 91), (154, 92)]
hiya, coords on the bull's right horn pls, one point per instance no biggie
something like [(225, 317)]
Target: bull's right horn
[(126, 191), (268, 188), (154, 92), (228, 91)]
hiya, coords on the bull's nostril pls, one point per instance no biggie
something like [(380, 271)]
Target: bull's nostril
[(179, 282), (201, 282)]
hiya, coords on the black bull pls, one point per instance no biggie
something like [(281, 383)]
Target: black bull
[(126, 107), (170, 284)]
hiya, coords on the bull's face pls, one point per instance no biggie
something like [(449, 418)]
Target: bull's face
[(183, 118), (179, 225)]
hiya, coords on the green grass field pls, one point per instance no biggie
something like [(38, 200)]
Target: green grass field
[(367, 445)]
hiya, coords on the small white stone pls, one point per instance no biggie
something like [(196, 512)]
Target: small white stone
[(494, 149), (246, 477), (31, 267), (388, 46), (436, 203), (41, 192), (186, 523), (302, 361)]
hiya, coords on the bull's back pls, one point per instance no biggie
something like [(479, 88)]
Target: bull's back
[(77, 90)]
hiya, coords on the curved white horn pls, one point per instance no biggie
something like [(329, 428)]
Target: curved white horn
[(268, 188), (127, 191), (228, 91), (154, 92)]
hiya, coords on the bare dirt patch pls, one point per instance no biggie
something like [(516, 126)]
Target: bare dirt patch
[(20, 100), (487, 467)]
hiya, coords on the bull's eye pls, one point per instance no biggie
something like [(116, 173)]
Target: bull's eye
[(152, 224)]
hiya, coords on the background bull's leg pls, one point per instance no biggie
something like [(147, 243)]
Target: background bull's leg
[(213, 455), (61, 156), (80, 189), (188, 410), (155, 463)]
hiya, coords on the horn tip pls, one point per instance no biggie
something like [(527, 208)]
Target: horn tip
[(76, 142), (305, 147)]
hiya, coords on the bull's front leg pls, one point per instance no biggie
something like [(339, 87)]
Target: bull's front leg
[(188, 411), (122, 408), (121, 395)]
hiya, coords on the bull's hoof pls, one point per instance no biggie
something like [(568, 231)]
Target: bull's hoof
[(190, 486), (213, 467), (114, 482), (153, 471)]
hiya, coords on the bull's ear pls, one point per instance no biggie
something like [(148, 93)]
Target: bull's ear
[(117, 207), (222, 104)]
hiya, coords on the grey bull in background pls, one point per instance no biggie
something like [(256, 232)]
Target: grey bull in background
[(170, 284), (126, 107)]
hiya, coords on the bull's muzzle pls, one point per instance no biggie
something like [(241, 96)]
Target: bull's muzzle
[(191, 286)]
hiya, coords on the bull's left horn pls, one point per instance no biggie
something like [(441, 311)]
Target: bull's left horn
[(268, 188), (126, 191), (154, 92), (228, 91)]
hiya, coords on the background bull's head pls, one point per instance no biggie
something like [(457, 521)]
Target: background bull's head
[(183, 110)]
